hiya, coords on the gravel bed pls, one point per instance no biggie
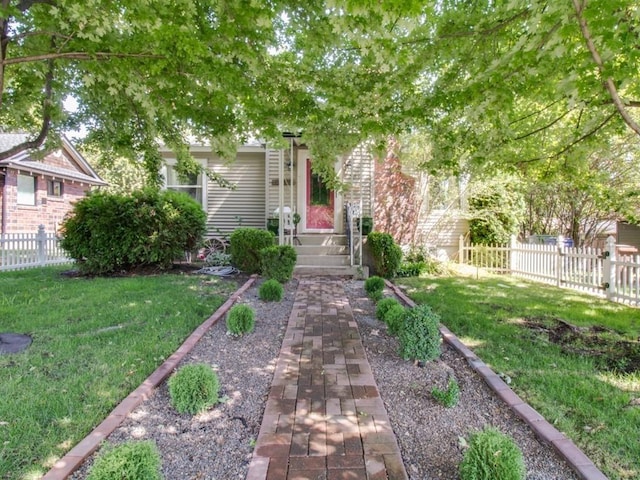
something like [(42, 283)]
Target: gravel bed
[(218, 444)]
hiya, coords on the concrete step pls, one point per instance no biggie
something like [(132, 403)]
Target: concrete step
[(323, 260), (337, 271), (307, 239), (321, 250)]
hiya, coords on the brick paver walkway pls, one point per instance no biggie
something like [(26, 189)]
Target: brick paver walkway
[(324, 418)]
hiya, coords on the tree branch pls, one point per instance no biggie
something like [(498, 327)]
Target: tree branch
[(25, 5), (544, 127), (77, 56), (608, 83)]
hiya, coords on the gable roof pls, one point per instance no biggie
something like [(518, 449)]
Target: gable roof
[(25, 162)]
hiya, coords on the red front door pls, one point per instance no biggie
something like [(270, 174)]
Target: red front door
[(320, 202)]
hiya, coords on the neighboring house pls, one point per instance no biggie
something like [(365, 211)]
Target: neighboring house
[(267, 181), (40, 190)]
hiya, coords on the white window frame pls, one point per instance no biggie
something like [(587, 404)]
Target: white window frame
[(26, 190), (202, 179)]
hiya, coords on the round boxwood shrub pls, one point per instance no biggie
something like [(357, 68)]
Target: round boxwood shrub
[(131, 460), (240, 319), (374, 286), (394, 319), (244, 246), (492, 454), (271, 291), (420, 335), (107, 233), (278, 261), (193, 388), (383, 306)]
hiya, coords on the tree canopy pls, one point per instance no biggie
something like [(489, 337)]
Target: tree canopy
[(495, 83)]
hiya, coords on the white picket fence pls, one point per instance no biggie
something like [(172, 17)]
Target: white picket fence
[(590, 270), (28, 250)]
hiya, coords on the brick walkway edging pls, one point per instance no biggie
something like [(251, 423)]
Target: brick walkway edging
[(74, 458), (546, 432)]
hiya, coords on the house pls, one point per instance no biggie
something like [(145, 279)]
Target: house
[(266, 181), (40, 189)]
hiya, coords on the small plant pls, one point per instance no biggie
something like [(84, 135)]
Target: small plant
[(394, 319), (387, 255), (374, 286), (271, 291), (277, 262), (420, 335), (193, 388), (492, 455), (240, 319), (131, 460), (217, 259), (383, 306), (448, 397)]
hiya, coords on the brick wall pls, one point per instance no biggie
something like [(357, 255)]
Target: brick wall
[(396, 203), (48, 210)]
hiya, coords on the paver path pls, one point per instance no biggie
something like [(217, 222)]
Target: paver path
[(324, 418)]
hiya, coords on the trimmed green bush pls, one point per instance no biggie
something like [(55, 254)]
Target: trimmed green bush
[(277, 262), (245, 244), (420, 335), (193, 388), (131, 461), (383, 306), (107, 233), (373, 286), (387, 255), (492, 455), (448, 397), (240, 319), (271, 291), (394, 319)]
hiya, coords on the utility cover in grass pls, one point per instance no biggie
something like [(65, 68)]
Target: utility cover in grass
[(14, 342)]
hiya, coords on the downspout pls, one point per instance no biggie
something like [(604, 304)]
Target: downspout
[(291, 193), (4, 202), (280, 196)]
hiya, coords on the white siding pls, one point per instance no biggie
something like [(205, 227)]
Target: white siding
[(358, 169), (441, 230), (245, 206)]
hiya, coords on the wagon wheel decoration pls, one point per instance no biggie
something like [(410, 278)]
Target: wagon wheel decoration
[(213, 245)]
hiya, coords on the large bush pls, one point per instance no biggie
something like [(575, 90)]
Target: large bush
[(130, 460), (278, 262), (107, 233), (245, 246), (420, 334), (387, 255), (492, 455)]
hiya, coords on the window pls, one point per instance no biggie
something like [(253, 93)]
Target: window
[(192, 185), (26, 190), (54, 188)]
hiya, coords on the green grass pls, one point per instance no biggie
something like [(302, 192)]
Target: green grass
[(590, 404), (94, 341)]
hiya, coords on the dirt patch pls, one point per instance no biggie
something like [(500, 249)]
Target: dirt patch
[(610, 350)]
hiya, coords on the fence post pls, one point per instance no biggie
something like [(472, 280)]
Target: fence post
[(513, 258), (461, 259), (41, 241), (559, 262), (608, 267)]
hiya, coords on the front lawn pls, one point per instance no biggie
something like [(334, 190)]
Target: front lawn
[(94, 341), (574, 358)]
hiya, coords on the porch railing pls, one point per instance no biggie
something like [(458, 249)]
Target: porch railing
[(354, 232)]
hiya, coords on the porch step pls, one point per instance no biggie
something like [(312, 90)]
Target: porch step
[(344, 271), (323, 260), (305, 250), (326, 239)]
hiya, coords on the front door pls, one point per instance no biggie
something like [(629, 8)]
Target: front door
[(318, 209)]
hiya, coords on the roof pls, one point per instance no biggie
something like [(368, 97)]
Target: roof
[(23, 161)]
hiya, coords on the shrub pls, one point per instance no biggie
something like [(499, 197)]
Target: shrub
[(394, 319), (245, 244), (374, 286), (277, 262), (492, 455), (217, 259), (107, 233), (420, 336), (271, 291), (193, 388), (448, 397), (240, 319), (386, 254), (131, 460), (411, 269), (383, 306)]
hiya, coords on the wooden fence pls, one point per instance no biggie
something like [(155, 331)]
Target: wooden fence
[(28, 250), (595, 271)]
